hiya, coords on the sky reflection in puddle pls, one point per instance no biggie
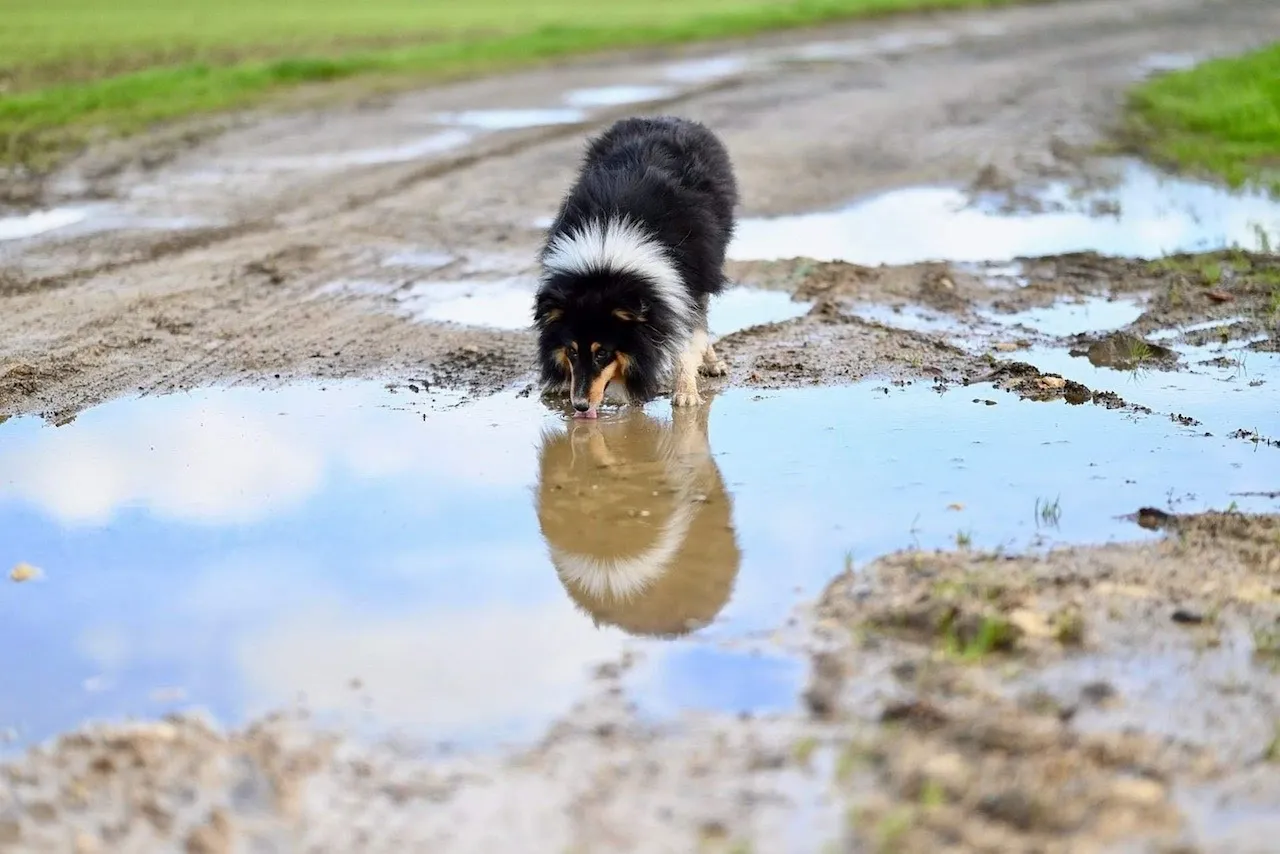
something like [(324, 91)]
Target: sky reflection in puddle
[(1225, 398), (1090, 315), (508, 304), (462, 561), (21, 226), (1157, 215)]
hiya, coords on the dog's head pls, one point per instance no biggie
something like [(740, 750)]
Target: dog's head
[(598, 329)]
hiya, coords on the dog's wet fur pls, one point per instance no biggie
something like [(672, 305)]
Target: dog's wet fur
[(631, 262)]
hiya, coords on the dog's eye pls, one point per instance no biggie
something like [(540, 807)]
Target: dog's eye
[(603, 357)]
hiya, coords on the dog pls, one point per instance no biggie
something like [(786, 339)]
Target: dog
[(631, 262), (638, 522)]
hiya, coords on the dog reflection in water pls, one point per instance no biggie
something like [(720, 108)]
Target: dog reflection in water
[(638, 522)]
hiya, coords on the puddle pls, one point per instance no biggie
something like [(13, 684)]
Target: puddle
[(515, 119), (501, 304), (457, 567), (436, 143), (21, 226), (1157, 215), (419, 259), (707, 70), (616, 96), (1092, 315), (1161, 63), (911, 318), (90, 219), (889, 44), (508, 303), (1240, 394)]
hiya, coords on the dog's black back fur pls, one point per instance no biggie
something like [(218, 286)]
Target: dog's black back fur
[(672, 178), (670, 175)]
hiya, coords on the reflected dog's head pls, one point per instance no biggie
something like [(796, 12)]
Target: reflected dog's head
[(638, 526)]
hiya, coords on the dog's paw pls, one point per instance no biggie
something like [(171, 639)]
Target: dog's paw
[(716, 368), (686, 398)]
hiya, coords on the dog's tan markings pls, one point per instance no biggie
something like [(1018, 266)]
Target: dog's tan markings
[(552, 315), (628, 316), (562, 358), (624, 364), (686, 384), (595, 347), (712, 364), (597, 387)]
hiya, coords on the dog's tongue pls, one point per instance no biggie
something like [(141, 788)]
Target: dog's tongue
[(590, 413)]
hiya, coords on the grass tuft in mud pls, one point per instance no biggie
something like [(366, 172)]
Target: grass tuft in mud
[(1221, 117)]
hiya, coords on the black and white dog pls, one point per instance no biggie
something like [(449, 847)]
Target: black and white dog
[(631, 262)]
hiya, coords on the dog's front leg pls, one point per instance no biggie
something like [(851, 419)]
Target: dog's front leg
[(686, 384), (712, 364)]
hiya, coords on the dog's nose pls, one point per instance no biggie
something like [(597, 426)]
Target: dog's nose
[(581, 405)]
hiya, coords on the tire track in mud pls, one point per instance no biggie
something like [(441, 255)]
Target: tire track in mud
[(180, 243)]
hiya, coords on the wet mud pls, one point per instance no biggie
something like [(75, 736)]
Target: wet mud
[(975, 547)]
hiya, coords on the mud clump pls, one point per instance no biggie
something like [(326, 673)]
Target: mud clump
[(968, 637), (1030, 383), (826, 346), (1124, 352)]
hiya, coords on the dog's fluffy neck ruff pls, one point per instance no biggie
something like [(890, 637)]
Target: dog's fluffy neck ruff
[(618, 245)]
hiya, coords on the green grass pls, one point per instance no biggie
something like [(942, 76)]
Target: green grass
[(70, 69), (1221, 117)]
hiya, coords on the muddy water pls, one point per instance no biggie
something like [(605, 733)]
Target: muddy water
[(455, 567), (1144, 215)]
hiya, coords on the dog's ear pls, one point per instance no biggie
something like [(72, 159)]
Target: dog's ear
[(633, 313), (547, 308)]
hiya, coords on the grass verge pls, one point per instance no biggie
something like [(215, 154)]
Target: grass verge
[(59, 66), (1220, 118)]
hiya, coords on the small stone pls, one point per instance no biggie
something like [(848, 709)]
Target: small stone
[(1187, 618), (24, 572), (1032, 624), (1097, 693), (86, 844), (211, 838), (1138, 791), (949, 770), (1013, 807), (1049, 382)]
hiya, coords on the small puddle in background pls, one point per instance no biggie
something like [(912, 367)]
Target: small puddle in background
[(1092, 315), (1240, 396), (86, 220), (889, 44), (515, 119), (436, 143), (456, 567), (1162, 63), (419, 259), (22, 226), (508, 303), (707, 70), (616, 96), (1157, 215)]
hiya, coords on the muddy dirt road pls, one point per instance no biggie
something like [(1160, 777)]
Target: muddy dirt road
[(278, 209), (962, 369)]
